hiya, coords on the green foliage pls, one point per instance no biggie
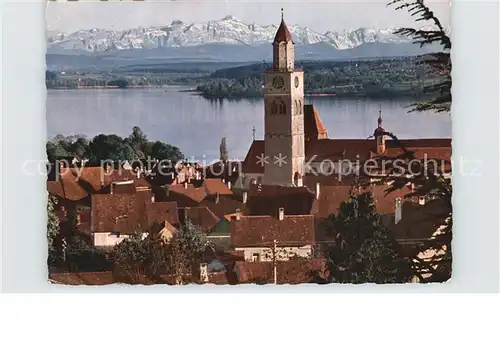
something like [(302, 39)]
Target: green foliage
[(52, 222), (224, 154), (55, 151), (439, 64), (373, 78), (363, 250), (111, 147), (428, 180), (120, 83), (149, 258)]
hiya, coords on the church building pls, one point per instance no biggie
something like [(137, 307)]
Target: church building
[(296, 144)]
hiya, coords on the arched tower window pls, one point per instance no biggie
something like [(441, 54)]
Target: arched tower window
[(274, 108), (300, 106), (282, 107)]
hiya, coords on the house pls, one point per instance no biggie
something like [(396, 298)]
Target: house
[(115, 217), (186, 195), (298, 271), (283, 236), (227, 171), (418, 229), (163, 217), (201, 217)]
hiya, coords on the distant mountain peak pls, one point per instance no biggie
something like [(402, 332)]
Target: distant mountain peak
[(228, 30)]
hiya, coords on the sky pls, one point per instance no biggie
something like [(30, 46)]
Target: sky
[(320, 15)]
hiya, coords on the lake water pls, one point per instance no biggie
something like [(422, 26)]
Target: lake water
[(196, 125)]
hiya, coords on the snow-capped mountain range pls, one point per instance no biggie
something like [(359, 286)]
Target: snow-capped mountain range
[(228, 30)]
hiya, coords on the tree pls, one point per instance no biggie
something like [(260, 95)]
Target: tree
[(439, 63), (142, 260), (162, 151), (110, 147), (52, 225), (428, 178), (55, 151), (224, 156), (79, 148), (363, 251), (137, 141)]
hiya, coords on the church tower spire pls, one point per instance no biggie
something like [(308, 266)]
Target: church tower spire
[(379, 134), (283, 47), (284, 114)]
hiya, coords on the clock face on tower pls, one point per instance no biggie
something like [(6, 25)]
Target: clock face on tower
[(296, 82), (278, 82)]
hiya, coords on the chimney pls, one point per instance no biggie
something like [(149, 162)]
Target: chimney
[(380, 144), (203, 273), (217, 198), (229, 185), (281, 212), (185, 185), (238, 214), (421, 200), (245, 197), (398, 211), (299, 182), (317, 190), (380, 134)]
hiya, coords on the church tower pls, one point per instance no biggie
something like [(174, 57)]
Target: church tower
[(284, 114)]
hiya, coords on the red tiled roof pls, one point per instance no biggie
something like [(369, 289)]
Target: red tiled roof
[(123, 188), (123, 213), (288, 272), (313, 126), (190, 192), (199, 216), (339, 149), (229, 171), (282, 34), (352, 149), (267, 199), (226, 205), (330, 198), (216, 186), (55, 188), (293, 230), (77, 184), (83, 278), (420, 222), (159, 212), (250, 164)]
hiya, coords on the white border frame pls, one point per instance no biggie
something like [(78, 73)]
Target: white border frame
[(475, 137)]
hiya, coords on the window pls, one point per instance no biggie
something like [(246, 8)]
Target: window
[(255, 257), (282, 107), (274, 108)]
